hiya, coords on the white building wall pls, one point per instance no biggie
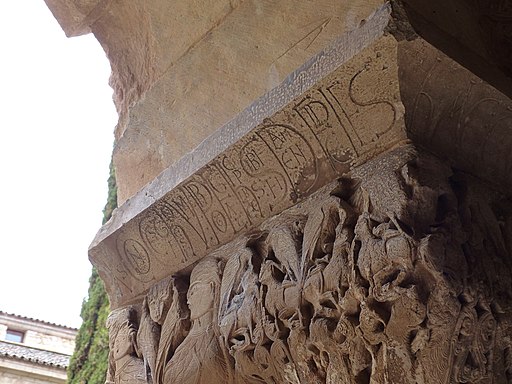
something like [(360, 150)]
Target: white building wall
[(49, 342), (3, 329), (50, 337), (20, 372), (40, 335), (21, 378)]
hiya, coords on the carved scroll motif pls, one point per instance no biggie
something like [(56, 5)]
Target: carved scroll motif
[(358, 284)]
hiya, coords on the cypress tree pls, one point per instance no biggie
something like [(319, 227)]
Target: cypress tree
[(89, 362)]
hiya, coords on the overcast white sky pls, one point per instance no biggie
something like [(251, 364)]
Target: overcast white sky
[(57, 121)]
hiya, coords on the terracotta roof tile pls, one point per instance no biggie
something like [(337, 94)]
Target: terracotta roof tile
[(35, 355)]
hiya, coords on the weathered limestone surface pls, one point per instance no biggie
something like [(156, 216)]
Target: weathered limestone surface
[(455, 114), (205, 81), (350, 116), (73, 15), (352, 225)]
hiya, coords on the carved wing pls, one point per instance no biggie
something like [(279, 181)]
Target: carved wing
[(147, 340), (320, 231), (174, 329)]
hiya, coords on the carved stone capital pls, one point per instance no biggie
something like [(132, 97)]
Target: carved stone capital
[(352, 224), (345, 110), (400, 271)]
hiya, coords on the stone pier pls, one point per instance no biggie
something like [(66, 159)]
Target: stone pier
[(310, 191)]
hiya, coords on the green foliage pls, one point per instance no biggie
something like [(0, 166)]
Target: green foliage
[(89, 362), (112, 195)]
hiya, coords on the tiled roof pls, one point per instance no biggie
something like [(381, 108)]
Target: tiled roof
[(37, 320), (39, 356)]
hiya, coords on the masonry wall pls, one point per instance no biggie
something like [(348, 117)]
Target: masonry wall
[(7, 377), (23, 372)]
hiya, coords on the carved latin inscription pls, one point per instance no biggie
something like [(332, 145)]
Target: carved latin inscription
[(349, 117)]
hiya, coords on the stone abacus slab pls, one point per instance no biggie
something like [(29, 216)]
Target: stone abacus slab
[(339, 110)]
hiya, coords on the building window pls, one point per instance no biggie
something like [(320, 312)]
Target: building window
[(15, 336)]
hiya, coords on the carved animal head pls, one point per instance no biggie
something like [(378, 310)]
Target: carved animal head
[(159, 299), (122, 332)]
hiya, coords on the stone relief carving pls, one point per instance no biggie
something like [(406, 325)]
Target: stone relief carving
[(125, 366), (200, 358), (320, 135), (399, 274)]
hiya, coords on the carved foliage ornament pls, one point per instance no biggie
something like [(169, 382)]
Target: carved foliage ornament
[(402, 276)]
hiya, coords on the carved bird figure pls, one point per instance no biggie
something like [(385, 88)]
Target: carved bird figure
[(319, 231), (148, 338)]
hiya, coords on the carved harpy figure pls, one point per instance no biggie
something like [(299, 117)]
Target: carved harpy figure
[(153, 313), (175, 326), (124, 365), (148, 337), (200, 359)]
